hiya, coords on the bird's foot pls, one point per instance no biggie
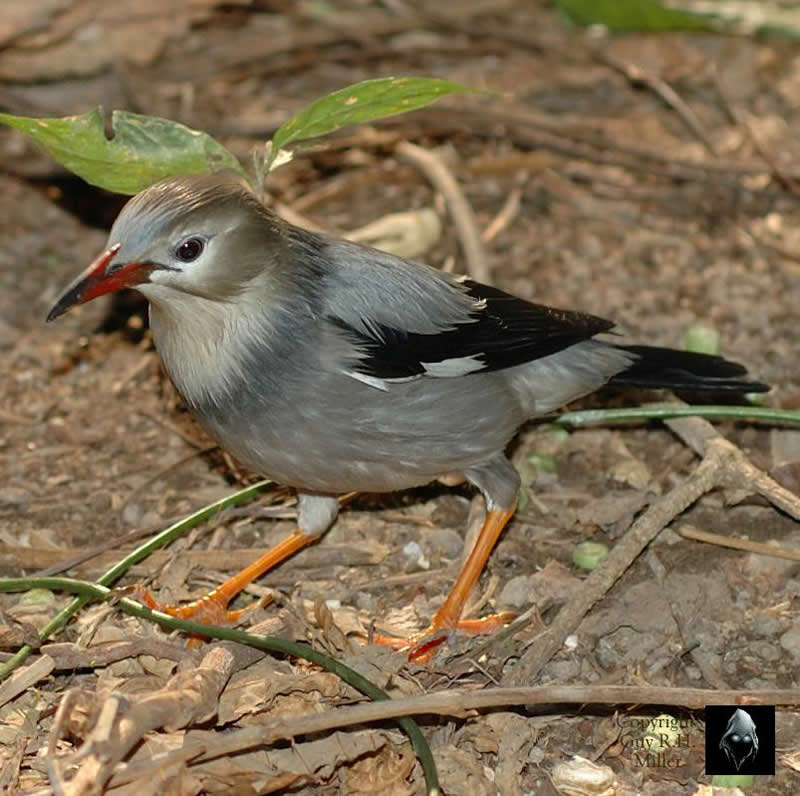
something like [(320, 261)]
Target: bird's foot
[(212, 609), (422, 646)]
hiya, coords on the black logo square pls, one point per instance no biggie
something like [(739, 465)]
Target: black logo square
[(740, 739)]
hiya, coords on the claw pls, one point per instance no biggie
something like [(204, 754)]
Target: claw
[(209, 610), (422, 646)]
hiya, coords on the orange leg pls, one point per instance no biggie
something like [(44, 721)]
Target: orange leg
[(448, 617), (212, 609)]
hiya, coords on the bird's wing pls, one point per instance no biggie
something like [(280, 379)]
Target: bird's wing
[(407, 320)]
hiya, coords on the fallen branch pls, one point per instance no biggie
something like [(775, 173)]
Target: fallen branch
[(723, 464), (624, 553), (462, 704)]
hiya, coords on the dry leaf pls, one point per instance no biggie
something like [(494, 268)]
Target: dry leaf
[(461, 772), (581, 777), (386, 773), (410, 234), (516, 736), (269, 770), (259, 688)]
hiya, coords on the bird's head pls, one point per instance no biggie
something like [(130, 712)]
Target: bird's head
[(189, 235)]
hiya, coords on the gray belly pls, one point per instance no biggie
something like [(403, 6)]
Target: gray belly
[(336, 434)]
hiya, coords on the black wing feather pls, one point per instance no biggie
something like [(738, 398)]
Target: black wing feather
[(501, 332)]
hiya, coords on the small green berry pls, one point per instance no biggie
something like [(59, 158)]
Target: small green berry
[(702, 339), (587, 555), (733, 781)]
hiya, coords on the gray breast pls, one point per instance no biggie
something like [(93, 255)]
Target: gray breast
[(319, 429)]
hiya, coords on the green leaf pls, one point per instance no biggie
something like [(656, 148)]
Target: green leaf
[(143, 150), (628, 15), (359, 103)]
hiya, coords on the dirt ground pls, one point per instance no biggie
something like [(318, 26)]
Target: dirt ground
[(647, 179)]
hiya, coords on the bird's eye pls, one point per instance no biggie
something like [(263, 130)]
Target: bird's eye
[(190, 249)]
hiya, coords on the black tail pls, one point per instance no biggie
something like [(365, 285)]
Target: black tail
[(668, 368)]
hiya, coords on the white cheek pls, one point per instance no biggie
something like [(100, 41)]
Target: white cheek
[(186, 277), (201, 270), (166, 277)]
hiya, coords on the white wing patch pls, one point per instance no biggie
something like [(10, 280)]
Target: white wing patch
[(370, 381), (457, 366), (379, 384), (445, 369)]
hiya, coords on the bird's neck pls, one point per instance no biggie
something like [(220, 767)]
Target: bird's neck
[(205, 344)]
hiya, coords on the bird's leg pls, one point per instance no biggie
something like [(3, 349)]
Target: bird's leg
[(212, 609), (448, 617), (315, 514), (499, 482)]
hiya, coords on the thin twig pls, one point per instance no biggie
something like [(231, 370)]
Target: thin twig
[(66, 707), (507, 212), (475, 256), (25, 678), (19, 420), (33, 556), (159, 421), (636, 75), (739, 117), (690, 532), (165, 470), (776, 246), (291, 215), (27, 558), (67, 656), (345, 184), (536, 130), (147, 359)]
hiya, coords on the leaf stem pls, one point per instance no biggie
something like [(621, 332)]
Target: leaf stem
[(593, 417), (134, 557)]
